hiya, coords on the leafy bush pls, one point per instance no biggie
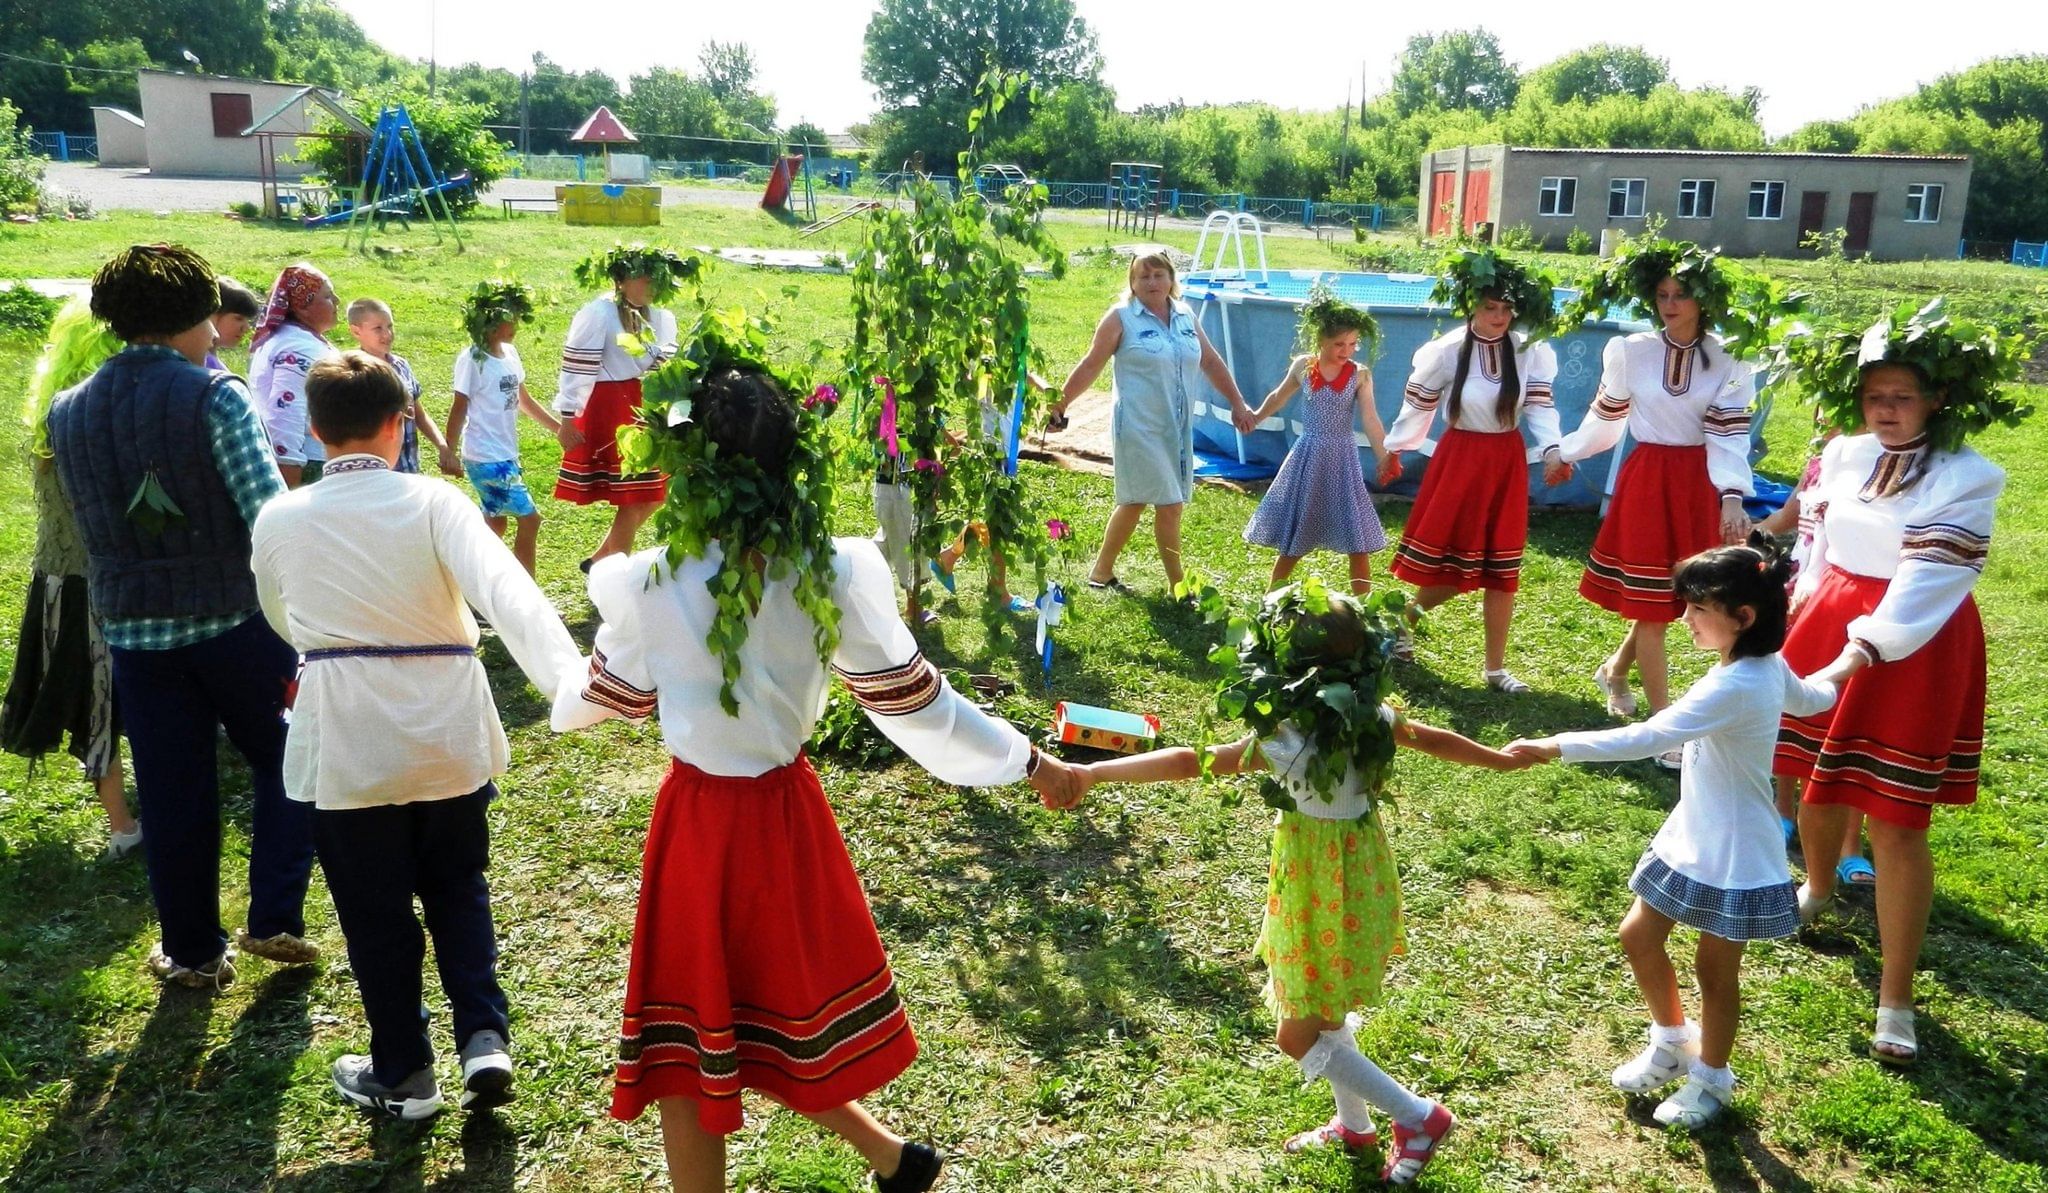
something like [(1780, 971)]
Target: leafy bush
[(25, 312), (1519, 238), (451, 132), (21, 170), (1578, 242)]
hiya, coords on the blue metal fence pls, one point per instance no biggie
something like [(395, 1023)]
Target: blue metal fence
[(1185, 203), (2028, 253), (66, 147)]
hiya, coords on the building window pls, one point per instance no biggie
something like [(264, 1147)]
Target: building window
[(1696, 199), (1767, 200), (1625, 198), (1559, 196), (231, 113), (1923, 203)]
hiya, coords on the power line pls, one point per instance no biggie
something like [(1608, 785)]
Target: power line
[(91, 70)]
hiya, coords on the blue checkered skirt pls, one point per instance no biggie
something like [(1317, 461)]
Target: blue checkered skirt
[(1758, 913)]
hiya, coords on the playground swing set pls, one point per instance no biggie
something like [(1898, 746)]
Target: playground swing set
[(398, 181)]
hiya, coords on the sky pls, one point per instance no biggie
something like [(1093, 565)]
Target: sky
[(1813, 60)]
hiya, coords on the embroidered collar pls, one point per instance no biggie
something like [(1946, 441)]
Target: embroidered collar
[(1896, 470), (1480, 339), (1692, 345), (355, 462), (1334, 385), (1678, 363)]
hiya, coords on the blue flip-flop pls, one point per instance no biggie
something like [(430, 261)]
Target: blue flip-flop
[(1020, 605), (944, 577), (1856, 873)]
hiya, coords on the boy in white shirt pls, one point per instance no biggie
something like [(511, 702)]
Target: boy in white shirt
[(483, 421), (394, 738)]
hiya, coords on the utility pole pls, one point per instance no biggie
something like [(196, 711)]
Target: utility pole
[(525, 86), (1344, 138)]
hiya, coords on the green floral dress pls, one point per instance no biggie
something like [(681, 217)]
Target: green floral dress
[(1333, 898)]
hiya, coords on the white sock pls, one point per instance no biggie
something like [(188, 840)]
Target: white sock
[(1684, 1032), (1354, 1112), (1722, 1079), (1336, 1059)]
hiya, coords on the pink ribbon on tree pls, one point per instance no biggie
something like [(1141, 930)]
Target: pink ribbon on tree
[(886, 429)]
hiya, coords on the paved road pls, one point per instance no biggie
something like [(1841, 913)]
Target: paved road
[(116, 188)]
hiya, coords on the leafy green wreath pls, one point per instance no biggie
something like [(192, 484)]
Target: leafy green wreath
[(729, 499), (1334, 702), (494, 301), (1968, 363), (1325, 314), (1466, 276), (665, 268), (1745, 309)]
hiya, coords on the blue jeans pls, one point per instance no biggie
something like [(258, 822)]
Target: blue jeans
[(376, 860), (174, 703)]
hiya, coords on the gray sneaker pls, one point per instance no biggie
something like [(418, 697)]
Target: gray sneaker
[(486, 1072), (416, 1097)]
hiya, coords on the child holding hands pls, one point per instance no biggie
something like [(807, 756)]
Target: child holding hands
[(1718, 864), (1333, 903), (483, 420), (1319, 499)]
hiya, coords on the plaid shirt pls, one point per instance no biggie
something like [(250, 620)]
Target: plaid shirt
[(241, 450)]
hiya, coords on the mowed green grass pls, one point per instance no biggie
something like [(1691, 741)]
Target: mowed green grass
[(1082, 985)]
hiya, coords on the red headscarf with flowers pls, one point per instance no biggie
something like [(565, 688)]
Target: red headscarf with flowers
[(298, 285)]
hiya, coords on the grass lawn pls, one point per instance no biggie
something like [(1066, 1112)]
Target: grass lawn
[(1082, 984)]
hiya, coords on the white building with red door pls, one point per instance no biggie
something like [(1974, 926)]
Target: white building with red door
[(196, 124), (1895, 207)]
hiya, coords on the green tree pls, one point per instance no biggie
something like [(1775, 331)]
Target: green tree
[(21, 171), (925, 57), (1596, 72), (727, 70), (802, 133), (1463, 69), (665, 103), (557, 102)]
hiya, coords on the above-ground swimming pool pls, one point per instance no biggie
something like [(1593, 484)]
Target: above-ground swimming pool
[(1251, 318)]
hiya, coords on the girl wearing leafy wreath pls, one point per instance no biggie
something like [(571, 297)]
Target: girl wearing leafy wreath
[(755, 962), (613, 340), (483, 419), (63, 680), (1682, 393), (1312, 680), (1319, 499), (1902, 512), (1155, 347), (1470, 522)]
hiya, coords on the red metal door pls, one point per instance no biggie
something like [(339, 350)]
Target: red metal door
[(1813, 215), (1862, 211), (1443, 192), (1477, 185)]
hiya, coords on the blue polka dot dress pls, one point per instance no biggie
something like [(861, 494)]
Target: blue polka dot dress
[(1319, 500)]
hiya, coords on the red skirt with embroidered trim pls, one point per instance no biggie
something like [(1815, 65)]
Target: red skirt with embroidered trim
[(591, 471), (1470, 522), (1906, 734), (755, 961), (1664, 510)]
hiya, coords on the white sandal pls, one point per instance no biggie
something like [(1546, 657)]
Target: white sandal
[(1895, 1032), (1810, 909), (1620, 701), (1696, 1104), (1658, 1065), (1504, 681)]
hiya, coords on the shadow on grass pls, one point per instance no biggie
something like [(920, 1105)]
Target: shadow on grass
[(1986, 1084), (1067, 940), (129, 1115), (398, 1157)]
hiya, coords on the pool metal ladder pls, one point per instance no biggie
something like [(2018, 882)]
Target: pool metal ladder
[(1231, 227)]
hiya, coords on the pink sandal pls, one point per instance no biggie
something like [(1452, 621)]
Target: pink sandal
[(1332, 1134), (1410, 1157)]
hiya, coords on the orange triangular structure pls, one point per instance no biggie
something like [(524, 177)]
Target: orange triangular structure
[(603, 128)]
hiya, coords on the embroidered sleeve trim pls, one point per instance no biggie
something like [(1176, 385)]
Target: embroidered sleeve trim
[(898, 691), (606, 690), (1421, 396), (1727, 422), (1940, 542), (1609, 407)]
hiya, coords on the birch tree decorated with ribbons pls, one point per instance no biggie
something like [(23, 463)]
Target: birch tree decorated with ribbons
[(942, 367)]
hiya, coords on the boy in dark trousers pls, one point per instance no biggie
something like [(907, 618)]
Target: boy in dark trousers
[(394, 738)]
